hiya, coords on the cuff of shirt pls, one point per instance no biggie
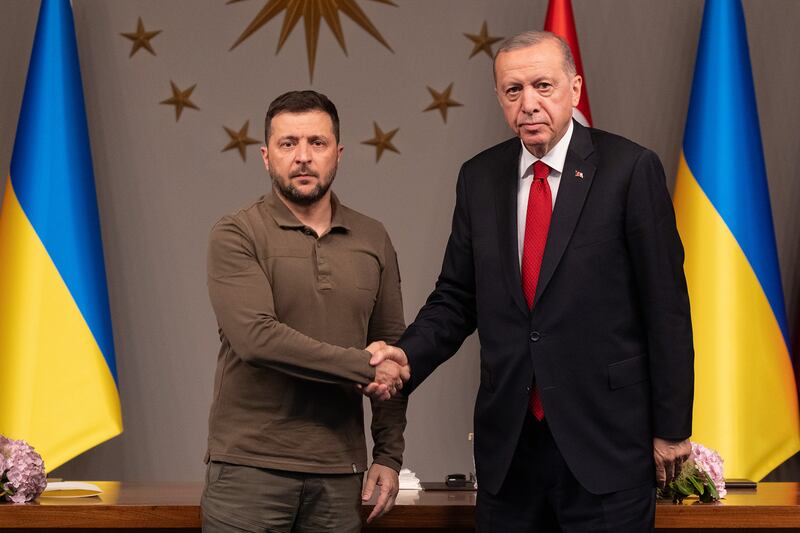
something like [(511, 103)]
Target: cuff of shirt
[(388, 461)]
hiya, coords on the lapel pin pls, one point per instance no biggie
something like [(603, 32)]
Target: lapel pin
[(579, 174)]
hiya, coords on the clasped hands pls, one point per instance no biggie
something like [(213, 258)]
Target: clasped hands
[(391, 371)]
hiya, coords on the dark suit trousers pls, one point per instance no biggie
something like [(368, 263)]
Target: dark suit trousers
[(540, 494)]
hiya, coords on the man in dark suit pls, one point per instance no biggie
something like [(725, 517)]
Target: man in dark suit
[(565, 256)]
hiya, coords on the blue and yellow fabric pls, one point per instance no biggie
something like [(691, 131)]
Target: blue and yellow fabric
[(745, 393), (58, 373)]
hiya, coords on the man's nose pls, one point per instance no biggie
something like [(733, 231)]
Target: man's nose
[(303, 153), (530, 100)]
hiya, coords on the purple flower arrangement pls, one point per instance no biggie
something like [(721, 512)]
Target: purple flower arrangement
[(22, 476), (700, 475)]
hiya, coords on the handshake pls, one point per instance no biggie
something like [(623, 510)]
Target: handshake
[(391, 371)]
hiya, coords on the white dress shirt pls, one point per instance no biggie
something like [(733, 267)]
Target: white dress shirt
[(555, 160)]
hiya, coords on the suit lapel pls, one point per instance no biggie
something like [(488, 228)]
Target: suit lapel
[(506, 205), (576, 179)]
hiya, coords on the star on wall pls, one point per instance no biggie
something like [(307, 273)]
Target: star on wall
[(180, 99), (240, 140), (483, 42), (442, 101), (311, 11), (382, 141), (141, 38)]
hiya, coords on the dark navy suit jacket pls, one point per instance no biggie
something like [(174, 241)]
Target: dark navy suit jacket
[(609, 340)]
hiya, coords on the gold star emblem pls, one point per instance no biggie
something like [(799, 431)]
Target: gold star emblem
[(382, 141), (180, 99), (141, 38), (311, 11), (240, 140), (442, 100), (483, 42)]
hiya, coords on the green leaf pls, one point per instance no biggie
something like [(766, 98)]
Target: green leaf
[(672, 492), (712, 488), (697, 485), (684, 487)]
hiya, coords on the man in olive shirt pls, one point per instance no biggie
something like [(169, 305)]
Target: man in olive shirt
[(300, 284)]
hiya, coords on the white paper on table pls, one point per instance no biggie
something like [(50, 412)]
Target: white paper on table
[(70, 489), (409, 480), (407, 497)]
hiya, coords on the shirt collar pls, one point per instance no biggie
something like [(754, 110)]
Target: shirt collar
[(286, 219), (554, 158), (339, 218)]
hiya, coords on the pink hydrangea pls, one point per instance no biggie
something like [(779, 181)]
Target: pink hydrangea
[(22, 476), (708, 461)]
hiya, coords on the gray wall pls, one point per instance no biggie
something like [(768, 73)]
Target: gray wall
[(161, 184)]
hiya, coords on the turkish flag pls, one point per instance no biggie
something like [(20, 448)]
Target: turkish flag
[(560, 21)]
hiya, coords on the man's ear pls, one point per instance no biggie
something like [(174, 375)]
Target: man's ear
[(265, 156), (577, 84)]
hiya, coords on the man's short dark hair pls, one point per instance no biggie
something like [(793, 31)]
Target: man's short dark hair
[(300, 102)]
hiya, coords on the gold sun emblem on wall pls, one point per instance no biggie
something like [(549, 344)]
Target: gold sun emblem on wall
[(312, 12)]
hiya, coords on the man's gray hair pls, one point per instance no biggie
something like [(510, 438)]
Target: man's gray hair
[(532, 38)]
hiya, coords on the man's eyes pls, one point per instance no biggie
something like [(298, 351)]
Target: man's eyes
[(541, 86), (317, 143)]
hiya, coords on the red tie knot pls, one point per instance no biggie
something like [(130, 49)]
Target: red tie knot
[(540, 170)]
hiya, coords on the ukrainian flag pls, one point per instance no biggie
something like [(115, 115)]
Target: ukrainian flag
[(745, 396), (57, 372)]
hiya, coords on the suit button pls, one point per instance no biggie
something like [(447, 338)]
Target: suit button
[(528, 388), (535, 336)]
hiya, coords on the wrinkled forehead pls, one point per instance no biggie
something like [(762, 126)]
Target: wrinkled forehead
[(544, 57)]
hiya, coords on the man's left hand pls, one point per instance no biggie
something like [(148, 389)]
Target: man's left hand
[(669, 457), (389, 484)]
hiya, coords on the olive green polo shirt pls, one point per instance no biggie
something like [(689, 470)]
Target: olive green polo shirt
[(295, 312)]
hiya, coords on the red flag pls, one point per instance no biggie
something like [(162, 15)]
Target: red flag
[(560, 21)]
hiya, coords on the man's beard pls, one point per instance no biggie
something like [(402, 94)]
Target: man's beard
[(291, 193)]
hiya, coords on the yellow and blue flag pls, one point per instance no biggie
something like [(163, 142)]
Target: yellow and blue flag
[(58, 374), (745, 395)]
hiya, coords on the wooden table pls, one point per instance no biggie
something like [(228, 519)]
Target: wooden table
[(174, 507)]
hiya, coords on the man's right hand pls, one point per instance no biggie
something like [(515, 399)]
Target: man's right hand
[(391, 371), (381, 352)]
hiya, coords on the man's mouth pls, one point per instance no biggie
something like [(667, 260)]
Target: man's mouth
[(304, 175)]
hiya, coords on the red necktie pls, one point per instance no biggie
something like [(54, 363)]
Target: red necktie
[(537, 223)]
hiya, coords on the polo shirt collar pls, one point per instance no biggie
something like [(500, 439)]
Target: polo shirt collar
[(286, 219)]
